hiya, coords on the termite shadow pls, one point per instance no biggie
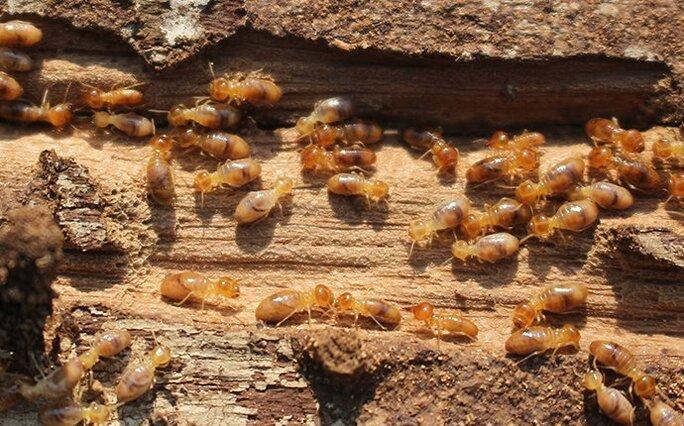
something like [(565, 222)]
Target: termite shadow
[(255, 237), (535, 364), (566, 254), (426, 334), (224, 308), (365, 323), (357, 210), (487, 275), (163, 221)]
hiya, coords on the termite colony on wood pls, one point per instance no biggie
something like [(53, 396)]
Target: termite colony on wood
[(338, 147)]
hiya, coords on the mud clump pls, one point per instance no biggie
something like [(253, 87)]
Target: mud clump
[(30, 254)]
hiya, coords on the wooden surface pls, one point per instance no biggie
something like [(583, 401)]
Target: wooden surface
[(633, 263)]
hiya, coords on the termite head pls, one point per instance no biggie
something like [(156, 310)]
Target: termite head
[(662, 148), (471, 226), (498, 140), (593, 380), (460, 250), (599, 157), (527, 159), (306, 125), (59, 115), (176, 116), (344, 301), (283, 185), (163, 144), (96, 413), (203, 181), (601, 129), (419, 229), (527, 192), (101, 119), (377, 190), (93, 98), (523, 315), (630, 140), (540, 225), (571, 334), (645, 386), (185, 136), (311, 157), (227, 287), (219, 88), (423, 311), (161, 355), (324, 296)]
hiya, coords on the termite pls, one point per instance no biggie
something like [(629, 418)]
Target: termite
[(58, 383), (130, 123), (210, 115), (280, 306), (182, 286), (602, 130), (15, 60), (508, 164), (506, 213), (357, 184), (10, 89), (557, 298), (557, 180), (442, 323), (444, 155), (253, 90), (446, 215), (575, 216), (19, 33), (663, 415), (525, 140), (536, 340), (138, 377), (317, 158), (256, 205), (490, 248), (126, 96), (675, 186), (331, 110), (71, 413), (666, 149), (381, 312), (220, 145), (107, 344), (160, 183), (19, 110), (632, 171), (611, 401), (620, 359), (357, 131), (607, 195), (234, 173)]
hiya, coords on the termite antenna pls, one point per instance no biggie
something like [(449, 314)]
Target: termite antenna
[(158, 111), (525, 238), (446, 261), (211, 69), (66, 92), (411, 249)]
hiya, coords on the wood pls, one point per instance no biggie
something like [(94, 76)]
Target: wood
[(228, 370)]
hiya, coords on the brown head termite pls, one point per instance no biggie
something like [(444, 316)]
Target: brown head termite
[(159, 172), (235, 174), (72, 413), (575, 216), (557, 180), (244, 88), (10, 89), (356, 131), (607, 195), (525, 140), (602, 130), (557, 298), (15, 60), (317, 158), (19, 110), (256, 205), (138, 377), (130, 123), (632, 171), (620, 359), (444, 155), (490, 248), (126, 96), (499, 166), (210, 115), (280, 306), (381, 312), (443, 323), (611, 401), (331, 110), (19, 33), (446, 215), (663, 415), (506, 213), (220, 145), (357, 184), (536, 340), (182, 286)]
